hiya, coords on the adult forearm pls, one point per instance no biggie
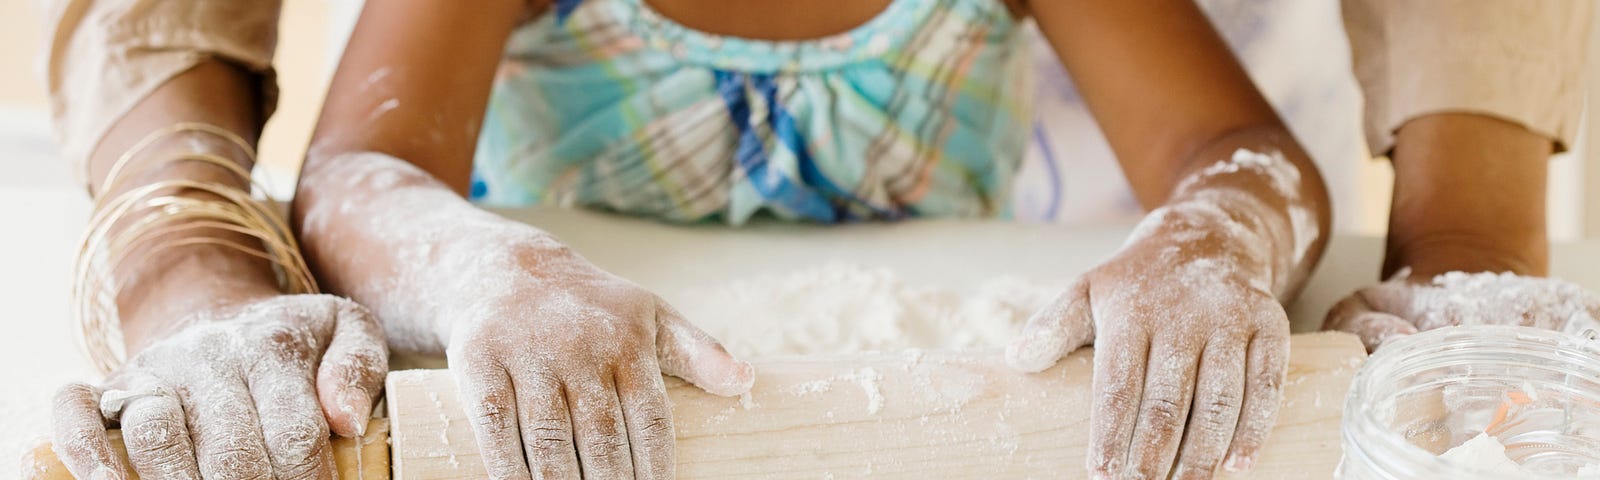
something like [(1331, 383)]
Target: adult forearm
[(1469, 195), (160, 284)]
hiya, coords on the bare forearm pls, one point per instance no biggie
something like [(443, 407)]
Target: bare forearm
[(379, 204), (1469, 195), (1266, 205), (390, 236), (390, 95), (157, 289)]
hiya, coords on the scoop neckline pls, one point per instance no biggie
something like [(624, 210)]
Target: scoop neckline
[(873, 37), (882, 16)]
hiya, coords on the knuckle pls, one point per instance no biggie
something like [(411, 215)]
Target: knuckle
[(549, 438), (287, 339), (298, 443), (605, 444), (78, 441), (155, 436), (1119, 397), (1215, 413), (490, 416), (542, 379), (358, 366), (159, 455), (657, 426), (1268, 382), (235, 462), (1163, 413)]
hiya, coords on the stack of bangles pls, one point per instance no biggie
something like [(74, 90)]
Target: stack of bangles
[(135, 220)]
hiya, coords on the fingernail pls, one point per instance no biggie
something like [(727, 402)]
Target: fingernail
[(352, 403), (1237, 463), (745, 378)]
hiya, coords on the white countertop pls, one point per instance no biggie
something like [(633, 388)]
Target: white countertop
[(39, 352)]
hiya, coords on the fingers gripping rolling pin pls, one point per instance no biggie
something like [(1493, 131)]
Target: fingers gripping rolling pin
[(888, 415)]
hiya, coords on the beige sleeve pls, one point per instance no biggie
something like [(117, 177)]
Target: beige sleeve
[(1519, 60), (107, 55)]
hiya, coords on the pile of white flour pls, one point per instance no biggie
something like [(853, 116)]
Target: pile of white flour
[(844, 308), (1486, 454)]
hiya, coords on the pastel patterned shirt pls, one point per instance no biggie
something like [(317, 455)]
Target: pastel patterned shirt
[(921, 111)]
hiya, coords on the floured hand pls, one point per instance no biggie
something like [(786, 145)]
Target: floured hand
[(249, 393), (1191, 342), (559, 362), (561, 369), (1172, 330), (1402, 306)]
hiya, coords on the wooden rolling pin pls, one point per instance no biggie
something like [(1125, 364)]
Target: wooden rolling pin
[(365, 458), (894, 415), (885, 415)]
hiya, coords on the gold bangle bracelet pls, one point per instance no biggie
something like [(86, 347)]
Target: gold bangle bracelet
[(115, 173), (142, 217)]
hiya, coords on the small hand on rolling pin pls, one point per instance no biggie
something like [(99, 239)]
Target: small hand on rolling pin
[(1191, 342), (558, 362), (246, 392), (561, 372)]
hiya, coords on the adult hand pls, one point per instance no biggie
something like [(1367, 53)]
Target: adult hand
[(1402, 306), (250, 392)]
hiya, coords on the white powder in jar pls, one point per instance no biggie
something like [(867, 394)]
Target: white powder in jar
[(1484, 453)]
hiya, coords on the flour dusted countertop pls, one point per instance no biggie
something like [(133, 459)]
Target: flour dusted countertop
[(38, 353)]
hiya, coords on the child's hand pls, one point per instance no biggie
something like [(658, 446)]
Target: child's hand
[(248, 394), (1191, 349), (560, 363), (1402, 307)]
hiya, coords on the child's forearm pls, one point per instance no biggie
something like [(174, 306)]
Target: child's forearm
[(1261, 202), (1469, 195), (384, 233)]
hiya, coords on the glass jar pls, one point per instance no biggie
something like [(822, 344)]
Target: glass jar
[(1535, 391)]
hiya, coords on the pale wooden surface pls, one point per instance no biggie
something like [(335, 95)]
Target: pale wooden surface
[(365, 458), (893, 415)]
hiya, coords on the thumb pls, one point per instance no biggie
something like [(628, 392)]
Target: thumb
[(352, 370), (1356, 314), (1054, 331), (686, 352)]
